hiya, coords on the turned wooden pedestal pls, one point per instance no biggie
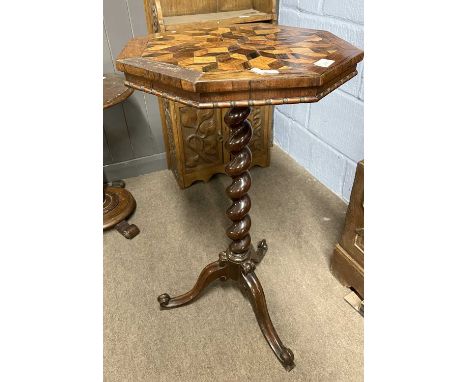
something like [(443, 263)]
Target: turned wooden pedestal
[(237, 263), (238, 68)]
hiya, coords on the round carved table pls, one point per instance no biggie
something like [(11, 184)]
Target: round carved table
[(118, 203), (238, 67)]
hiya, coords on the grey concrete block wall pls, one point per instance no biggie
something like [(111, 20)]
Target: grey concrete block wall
[(327, 138)]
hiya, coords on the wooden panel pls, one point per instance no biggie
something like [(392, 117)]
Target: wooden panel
[(234, 5), (347, 262), (353, 234), (189, 7), (216, 19), (348, 272), (202, 138), (265, 5)]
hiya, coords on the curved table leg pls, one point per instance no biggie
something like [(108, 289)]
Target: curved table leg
[(210, 273), (257, 298)]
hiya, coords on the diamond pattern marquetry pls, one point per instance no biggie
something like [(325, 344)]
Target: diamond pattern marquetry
[(239, 58)]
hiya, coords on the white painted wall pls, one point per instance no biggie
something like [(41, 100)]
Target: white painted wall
[(327, 137)]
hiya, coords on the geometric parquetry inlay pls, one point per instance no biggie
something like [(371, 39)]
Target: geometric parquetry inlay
[(242, 47)]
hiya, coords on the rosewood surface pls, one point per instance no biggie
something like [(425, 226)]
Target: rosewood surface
[(250, 64)]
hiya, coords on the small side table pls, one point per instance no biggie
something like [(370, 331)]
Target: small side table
[(239, 67), (118, 203)]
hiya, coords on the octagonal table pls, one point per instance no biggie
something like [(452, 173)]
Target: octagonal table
[(238, 67)]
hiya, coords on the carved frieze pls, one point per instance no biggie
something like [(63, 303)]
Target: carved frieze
[(202, 137)]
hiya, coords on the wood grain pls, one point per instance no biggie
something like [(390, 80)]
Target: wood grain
[(193, 67), (177, 15), (114, 90), (215, 19)]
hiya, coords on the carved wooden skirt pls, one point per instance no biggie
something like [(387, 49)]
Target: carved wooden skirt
[(194, 140)]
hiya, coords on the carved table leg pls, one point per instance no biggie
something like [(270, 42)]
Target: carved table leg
[(257, 298), (209, 274), (238, 261)]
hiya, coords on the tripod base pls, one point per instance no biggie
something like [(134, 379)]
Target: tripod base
[(242, 272)]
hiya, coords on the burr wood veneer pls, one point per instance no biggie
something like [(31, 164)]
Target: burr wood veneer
[(238, 67)]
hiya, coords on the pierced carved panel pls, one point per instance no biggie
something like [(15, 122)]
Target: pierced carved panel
[(202, 137)]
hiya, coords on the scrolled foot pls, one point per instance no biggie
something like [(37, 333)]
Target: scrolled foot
[(287, 359), (259, 254), (164, 299)]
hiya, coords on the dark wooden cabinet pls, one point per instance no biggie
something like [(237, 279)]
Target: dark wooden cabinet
[(347, 262)]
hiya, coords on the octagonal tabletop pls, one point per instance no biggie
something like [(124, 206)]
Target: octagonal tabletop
[(239, 65)]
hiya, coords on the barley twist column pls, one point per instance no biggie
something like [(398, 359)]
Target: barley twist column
[(238, 170)]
